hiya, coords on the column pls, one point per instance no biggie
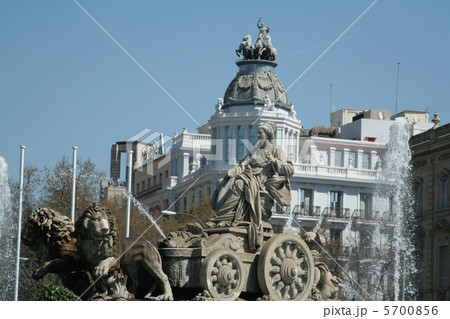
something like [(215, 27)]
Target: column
[(332, 154), (345, 157), (373, 159), (185, 164)]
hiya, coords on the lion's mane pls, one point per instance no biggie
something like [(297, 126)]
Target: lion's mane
[(48, 226), (93, 248)]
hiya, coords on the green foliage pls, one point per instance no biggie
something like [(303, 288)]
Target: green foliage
[(50, 292), (57, 185)]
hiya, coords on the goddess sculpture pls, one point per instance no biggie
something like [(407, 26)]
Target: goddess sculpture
[(250, 189)]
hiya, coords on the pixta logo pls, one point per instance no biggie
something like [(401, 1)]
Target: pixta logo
[(148, 145)]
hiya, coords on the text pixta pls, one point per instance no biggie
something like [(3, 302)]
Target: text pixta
[(344, 311)]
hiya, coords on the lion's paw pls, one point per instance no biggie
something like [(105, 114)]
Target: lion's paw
[(164, 297)]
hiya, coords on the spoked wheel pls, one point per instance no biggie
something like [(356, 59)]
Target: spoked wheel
[(222, 275), (286, 268)]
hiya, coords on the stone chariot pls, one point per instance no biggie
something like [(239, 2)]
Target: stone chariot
[(224, 265)]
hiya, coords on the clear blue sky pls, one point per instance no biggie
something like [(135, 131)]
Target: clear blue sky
[(64, 82)]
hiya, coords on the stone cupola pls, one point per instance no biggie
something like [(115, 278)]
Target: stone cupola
[(255, 80)]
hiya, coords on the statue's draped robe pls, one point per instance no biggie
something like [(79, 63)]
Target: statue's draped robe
[(249, 193)]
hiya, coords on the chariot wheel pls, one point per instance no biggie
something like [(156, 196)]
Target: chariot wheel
[(222, 275), (286, 268)]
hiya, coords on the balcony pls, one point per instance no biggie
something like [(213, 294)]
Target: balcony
[(332, 171), (316, 213), (362, 217), (335, 212), (190, 139), (312, 211)]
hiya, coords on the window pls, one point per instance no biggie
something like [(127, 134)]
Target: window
[(443, 267), (166, 174), (160, 178), (365, 244), (336, 237), (213, 145), (290, 147), (418, 199), (365, 161), (137, 188), (279, 136), (227, 143), (338, 158), (240, 143), (148, 182), (306, 201), (365, 205), (143, 185), (443, 193), (336, 203)]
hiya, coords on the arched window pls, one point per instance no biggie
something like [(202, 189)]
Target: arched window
[(418, 186), (443, 193), (443, 188)]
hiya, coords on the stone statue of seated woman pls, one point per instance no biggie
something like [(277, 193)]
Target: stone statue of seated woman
[(250, 189)]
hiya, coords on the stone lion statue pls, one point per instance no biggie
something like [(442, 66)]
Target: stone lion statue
[(122, 268), (51, 236)]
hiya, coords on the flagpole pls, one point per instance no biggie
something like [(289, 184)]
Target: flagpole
[(130, 170), (74, 180), (19, 222)]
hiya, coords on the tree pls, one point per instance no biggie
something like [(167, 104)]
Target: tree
[(57, 186)]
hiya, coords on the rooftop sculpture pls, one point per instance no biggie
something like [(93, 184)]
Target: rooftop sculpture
[(263, 48)]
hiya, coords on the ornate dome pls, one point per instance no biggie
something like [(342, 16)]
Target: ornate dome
[(255, 80)]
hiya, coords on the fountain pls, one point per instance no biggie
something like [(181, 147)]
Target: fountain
[(7, 240), (141, 208), (144, 211), (395, 184), (383, 249)]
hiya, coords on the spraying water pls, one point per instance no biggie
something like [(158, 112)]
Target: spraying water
[(395, 185), (355, 295), (144, 211), (7, 234)]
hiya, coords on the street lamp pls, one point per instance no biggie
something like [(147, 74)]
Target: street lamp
[(171, 213)]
